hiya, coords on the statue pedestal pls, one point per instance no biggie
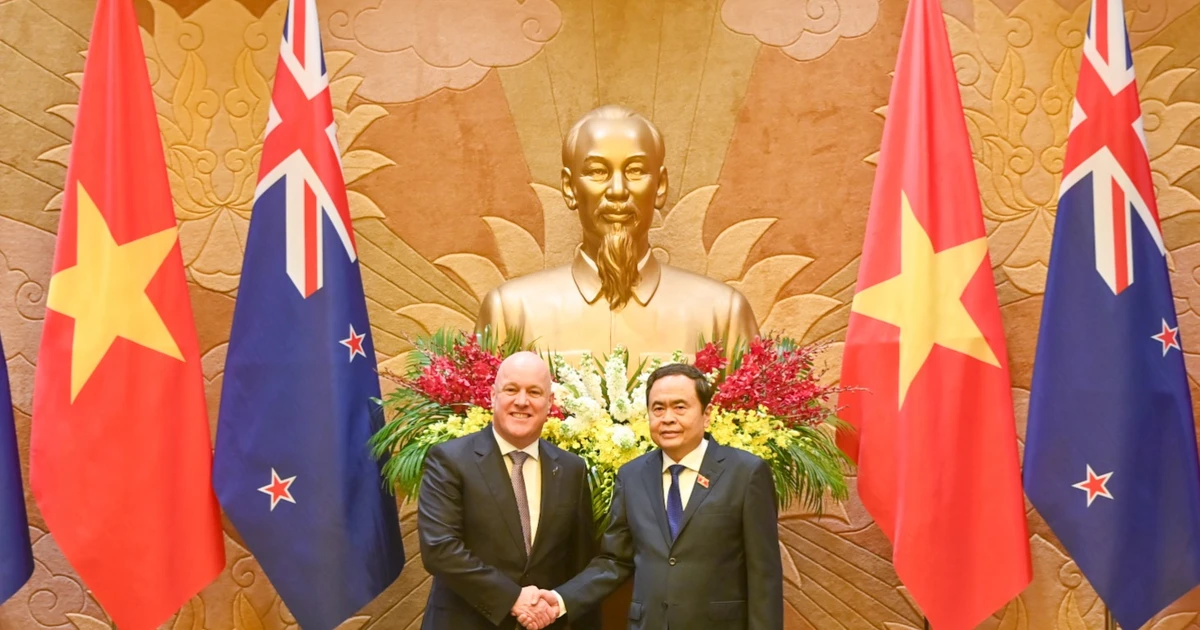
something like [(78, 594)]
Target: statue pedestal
[(615, 609)]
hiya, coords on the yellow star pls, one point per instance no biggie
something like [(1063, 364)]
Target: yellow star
[(105, 292), (925, 299)]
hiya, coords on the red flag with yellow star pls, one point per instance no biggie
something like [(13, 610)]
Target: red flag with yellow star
[(934, 436), (120, 455)]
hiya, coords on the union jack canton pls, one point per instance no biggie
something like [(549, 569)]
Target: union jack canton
[(292, 467), (1110, 451)]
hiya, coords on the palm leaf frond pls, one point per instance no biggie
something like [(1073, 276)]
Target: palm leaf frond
[(808, 468)]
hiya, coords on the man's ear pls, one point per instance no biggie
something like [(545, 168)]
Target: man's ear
[(708, 411), (567, 192), (660, 198)]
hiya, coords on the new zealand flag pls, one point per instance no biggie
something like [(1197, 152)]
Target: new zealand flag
[(293, 468), (1110, 454), (16, 558)]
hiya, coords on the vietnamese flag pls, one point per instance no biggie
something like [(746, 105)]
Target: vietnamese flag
[(120, 455), (934, 435)]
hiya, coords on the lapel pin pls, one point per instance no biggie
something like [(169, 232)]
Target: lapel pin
[(554, 471), (702, 480)]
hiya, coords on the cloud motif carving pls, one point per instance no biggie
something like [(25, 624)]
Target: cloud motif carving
[(407, 49), (803, 30)]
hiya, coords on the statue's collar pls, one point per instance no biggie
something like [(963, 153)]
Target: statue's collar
[(587, 278)]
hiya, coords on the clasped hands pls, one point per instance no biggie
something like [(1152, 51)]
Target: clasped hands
[(535, 608)]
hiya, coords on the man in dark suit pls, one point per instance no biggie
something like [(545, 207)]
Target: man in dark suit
[(501, 510), (694, 523)]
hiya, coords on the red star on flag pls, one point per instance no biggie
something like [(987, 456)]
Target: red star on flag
[(1095, 486), (279, 489), (355, 343), (1169, 338)]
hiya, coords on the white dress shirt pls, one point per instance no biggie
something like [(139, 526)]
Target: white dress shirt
[(687, 477), (533, 478)]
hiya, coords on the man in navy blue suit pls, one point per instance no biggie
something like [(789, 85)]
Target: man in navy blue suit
[(695, 523)]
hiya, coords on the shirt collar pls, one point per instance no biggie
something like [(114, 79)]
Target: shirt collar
[(691, 461), (506, 448), (587, 278)]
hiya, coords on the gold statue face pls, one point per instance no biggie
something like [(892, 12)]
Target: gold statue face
[(614, 178)]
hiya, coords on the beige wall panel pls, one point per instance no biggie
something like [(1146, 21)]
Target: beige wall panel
[(702, 81), (534, 105), (457, 158), (628, 41), (549, 93)]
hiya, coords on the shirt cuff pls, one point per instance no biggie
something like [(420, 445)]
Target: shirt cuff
[(562, 607)]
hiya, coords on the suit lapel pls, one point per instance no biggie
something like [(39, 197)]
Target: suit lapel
[(653, 476), (711, 469), (495, 474), (551, 486)]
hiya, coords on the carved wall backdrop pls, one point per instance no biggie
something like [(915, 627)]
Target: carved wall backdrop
[(450, 116)]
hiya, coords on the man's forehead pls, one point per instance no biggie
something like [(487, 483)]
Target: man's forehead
[(624, 133), (523, 373), (521, 381), (673, 387)]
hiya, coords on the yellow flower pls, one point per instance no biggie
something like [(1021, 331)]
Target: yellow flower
[(477, 418)]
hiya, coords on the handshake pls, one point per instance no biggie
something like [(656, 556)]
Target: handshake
[(535, 608)]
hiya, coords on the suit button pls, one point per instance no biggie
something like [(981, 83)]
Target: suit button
[(671, 562)]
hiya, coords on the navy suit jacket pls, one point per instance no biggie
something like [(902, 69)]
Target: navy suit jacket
[(722, 571)]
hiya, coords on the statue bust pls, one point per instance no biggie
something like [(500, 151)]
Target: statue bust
[(615, 292)]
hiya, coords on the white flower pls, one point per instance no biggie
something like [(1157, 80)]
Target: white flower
[(637, 398), (573, 425), (590, 377), (651, 365), (589, 410), (637, 401), (616, 380), (572, 383), (621, 409), (623, 436)]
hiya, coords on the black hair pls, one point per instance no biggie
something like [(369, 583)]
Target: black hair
[(704, 389)]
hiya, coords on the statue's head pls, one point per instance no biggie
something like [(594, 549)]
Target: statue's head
[(613, 176)]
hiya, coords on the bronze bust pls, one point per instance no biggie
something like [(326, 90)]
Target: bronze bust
[(615, 292)]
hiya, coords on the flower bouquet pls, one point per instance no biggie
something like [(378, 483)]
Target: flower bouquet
[(768, 401)]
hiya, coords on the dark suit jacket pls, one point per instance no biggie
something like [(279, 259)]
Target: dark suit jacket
[(723, 571), (471, 541)]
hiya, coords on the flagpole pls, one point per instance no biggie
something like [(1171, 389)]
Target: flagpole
[(1109, 623), (925, 620)]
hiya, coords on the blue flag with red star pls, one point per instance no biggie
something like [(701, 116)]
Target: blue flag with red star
[(293, 469), (16, 558), (1110, 453)]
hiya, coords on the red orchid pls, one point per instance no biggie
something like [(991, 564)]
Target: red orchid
[(772, 374), (461, 378)]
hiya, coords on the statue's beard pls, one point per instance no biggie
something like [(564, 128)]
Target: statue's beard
[(617, 262)]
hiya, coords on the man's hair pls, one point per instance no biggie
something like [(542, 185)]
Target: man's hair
[(704, 389), (607, 112)]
